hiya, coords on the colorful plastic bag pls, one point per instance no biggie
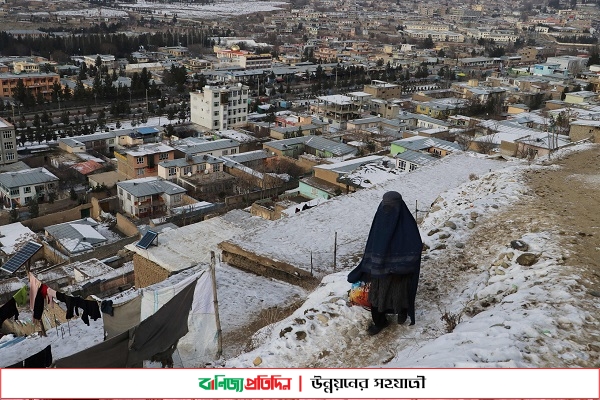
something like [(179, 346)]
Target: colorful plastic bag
[(359, 294)]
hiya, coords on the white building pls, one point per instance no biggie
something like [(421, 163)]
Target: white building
[(22, 186), (8, 143), (220, 107), (147, 197), (107, 60)]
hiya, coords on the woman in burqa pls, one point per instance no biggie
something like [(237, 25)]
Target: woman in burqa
[(391, 262)]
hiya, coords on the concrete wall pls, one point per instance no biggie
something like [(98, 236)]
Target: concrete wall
[(247, 261), (109, 204), (125, 226), (39, 223), (147, 272)]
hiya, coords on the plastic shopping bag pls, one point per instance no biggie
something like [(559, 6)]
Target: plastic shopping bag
[(359, 294)]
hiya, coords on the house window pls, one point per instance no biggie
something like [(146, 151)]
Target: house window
[(140, 171), (163, 156), (27, 189), (187, 170), (402, 165), (172, 171), (120, 192), (111, 141), (140, 160), (413, 167), (27, 199), (10, 156), (216, 104), (233, 151), (9, 146), (225, 152), (14, 192), (216, 95), (216, 113), (7, 135), (216, 123), (201, 167), (129, 196), (216, 167), (176, 198)]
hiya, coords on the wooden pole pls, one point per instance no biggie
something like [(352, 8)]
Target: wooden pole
[(311, 264), (335, 251), (216, 304)]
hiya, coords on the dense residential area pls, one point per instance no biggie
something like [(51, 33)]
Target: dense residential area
[(137, 138)]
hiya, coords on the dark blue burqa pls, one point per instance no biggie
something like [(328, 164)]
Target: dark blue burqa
[(393, 247)]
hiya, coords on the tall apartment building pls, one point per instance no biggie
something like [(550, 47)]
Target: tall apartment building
[(220, 107), (8, 143)]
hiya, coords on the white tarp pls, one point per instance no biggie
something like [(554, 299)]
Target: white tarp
[(199, 346)]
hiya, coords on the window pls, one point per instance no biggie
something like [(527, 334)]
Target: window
[(172, 171), (111, 141), (140, 171), (14, 192), (216, 167), (128, 196), (163, 156), (10, 156), (9, 146), (216, 95), (216, 123), (140, 160), (187, 170), (233, 151), (7, 135), (402, 165), (201, 167), (176, 198), (27, 199), (225, 152), (120, 191), (216, 104), (216, 113), (413, 167), (27, 189)]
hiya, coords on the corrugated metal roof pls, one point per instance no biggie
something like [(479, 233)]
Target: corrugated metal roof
[(249, 156), (34, 176), (335, 148), (208, 146), (416, 157), (150, 186), (421, 143), (68, 230)]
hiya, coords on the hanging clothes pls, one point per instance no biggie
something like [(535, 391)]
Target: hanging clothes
[(9, 309), (51, 296), (22, 296), (34, 285), (38, 306), (90, 308), (129, 349)]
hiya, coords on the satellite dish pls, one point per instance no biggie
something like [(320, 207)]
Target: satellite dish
[(189, 174), (205, 172)]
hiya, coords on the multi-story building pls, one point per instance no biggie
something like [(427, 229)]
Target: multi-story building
[(26, 67), (35, 83), (383, 90), (147, 197), (18, 188), (8, 143), (143, 160), (220, 107), (106, 60)]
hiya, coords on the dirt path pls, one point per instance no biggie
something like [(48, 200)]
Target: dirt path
[(560, 200)]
